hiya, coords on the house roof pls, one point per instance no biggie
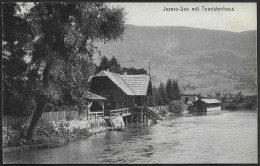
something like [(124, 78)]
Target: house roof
[(116, 78), (210, 101), (137, 83), (130, 84), (93, 96)]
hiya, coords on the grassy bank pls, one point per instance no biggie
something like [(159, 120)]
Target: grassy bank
[(50, 134)]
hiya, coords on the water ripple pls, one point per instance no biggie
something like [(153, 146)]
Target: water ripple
[(230, 137)]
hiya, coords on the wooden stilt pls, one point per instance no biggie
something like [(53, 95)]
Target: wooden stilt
[(87, 111), (103, 108)]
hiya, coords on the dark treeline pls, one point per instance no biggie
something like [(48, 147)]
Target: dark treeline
[(114, 66), (132, 71), (239, 101), (165, 94)]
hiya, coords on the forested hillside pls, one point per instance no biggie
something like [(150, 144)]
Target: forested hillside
[(204, 61)]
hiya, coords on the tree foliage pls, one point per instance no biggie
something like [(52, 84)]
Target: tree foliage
[(164, 95), (16, 35), (176, 90), (61, 48), (104, 64), (169, 90), (114, 66), (176, 106), (158, 97), (134, 71)]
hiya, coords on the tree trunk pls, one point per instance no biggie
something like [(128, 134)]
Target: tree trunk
[(42, 103), (31, 134)]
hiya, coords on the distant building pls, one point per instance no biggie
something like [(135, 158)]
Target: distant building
[(206, 105)]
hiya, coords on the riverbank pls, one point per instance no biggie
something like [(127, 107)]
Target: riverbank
[(54, 134)]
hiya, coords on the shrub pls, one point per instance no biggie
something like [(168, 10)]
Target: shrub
[(250, 103), (164, 111), (176, 106), (232, 106)]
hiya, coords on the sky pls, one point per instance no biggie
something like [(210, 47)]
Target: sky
[(243, 18)]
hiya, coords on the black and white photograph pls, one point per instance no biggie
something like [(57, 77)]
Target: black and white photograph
[(129, 83)]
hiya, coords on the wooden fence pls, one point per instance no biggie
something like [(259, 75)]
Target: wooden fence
[(121, 112), (46, 116), (158, 108), (96, 115), (55, 116)]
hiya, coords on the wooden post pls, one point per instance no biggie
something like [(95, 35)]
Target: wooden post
[(129, 102), (87, 111), (122, 101), (141, 114), (103, 105)]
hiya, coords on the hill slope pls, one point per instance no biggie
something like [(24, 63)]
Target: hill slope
[(203, 61)]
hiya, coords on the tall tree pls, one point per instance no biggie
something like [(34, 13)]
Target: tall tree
[(176, 90), (151, 100), (169, 90), (104, 63), (163, 93), (59, 48), (158, 97), (114, 66)]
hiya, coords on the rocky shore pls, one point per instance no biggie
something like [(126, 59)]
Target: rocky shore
[(55, 134)]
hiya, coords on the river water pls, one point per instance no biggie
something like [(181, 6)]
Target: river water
[(230, 137)]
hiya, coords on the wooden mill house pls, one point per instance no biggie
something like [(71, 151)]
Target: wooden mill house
[(126, 95)]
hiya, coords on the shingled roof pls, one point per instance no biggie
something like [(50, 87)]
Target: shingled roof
[(130, 84), (116, 78), (93, 96), (137, 83)]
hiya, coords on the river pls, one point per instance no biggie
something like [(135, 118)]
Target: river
[(230, 137)]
